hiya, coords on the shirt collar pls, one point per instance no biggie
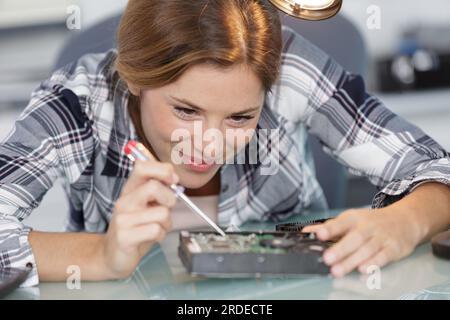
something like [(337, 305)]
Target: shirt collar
[(117, 163)]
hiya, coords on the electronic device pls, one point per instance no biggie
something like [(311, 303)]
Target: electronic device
[(421, 61), (252, 254), (441, 245), (298, 226), (11, 278)]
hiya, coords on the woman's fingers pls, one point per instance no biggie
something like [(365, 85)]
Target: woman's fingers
[(156, 214), (311, 228), (350, 243), (333, 228), (146, 170), (153, 232), (380, 259), (151, 191), (357, 242), (366, 239), (362, 254)]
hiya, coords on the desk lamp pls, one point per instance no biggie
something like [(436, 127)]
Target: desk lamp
[(309, 9)]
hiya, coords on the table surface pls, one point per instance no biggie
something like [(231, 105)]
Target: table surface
[(162, 276)]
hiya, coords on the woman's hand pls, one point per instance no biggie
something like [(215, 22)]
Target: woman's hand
[(141, 217), (367, 237)]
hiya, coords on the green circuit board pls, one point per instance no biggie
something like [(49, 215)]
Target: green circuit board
[(244, 243)]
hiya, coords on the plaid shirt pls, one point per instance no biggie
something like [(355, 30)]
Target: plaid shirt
[(76, 125)]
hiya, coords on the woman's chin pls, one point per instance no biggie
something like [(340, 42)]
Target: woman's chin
[(193, 179)]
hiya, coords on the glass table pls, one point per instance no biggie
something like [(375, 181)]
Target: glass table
[(161, 275)]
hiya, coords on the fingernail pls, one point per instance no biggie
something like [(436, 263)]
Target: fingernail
[(175, 178), (329, 257)]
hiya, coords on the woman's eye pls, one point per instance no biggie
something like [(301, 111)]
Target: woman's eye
[(241, 119), (184, 112)]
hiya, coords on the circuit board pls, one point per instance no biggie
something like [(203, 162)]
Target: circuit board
[(248, 254)]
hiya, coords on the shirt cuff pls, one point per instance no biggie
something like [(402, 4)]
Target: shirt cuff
[(435, 171), (15, 249)]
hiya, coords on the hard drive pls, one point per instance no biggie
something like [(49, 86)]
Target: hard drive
[(252, 254)]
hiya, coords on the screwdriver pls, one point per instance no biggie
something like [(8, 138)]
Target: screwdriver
[(133, 150)]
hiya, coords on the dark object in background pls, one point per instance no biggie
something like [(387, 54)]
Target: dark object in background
[(11, 278), (421, 62), (441, 245), (406, 72)]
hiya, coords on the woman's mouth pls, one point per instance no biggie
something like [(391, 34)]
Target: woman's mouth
[(197, 165)]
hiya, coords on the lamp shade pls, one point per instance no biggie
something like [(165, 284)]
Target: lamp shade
[(309, 9)]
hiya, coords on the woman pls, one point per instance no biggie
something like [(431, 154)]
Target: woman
[(228, 66)]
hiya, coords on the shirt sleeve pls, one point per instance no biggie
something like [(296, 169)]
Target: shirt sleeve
[(48, 140), (359, 131)]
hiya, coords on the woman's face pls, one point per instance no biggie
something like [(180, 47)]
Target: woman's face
[(187, 122)]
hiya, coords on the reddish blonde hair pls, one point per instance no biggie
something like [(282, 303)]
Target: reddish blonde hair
[(158, 40)]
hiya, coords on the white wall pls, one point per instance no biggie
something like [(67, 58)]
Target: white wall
[(93, 11), (395, 16)]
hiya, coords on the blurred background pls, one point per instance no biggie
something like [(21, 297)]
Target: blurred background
[(408, 66)]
